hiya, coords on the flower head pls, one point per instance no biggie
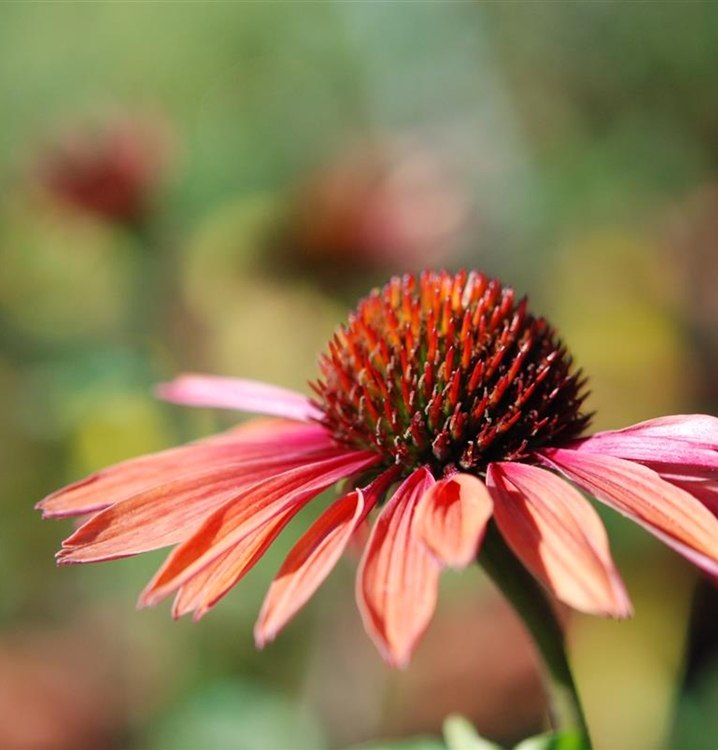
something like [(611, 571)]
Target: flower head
[(110, 171), (445, 404), (450, 372), (387, 203)]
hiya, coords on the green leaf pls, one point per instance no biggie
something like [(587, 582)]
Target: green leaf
[(460, 734), (563, 741), (415, 743)]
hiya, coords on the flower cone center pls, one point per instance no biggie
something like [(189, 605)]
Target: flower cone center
[(448, 371)]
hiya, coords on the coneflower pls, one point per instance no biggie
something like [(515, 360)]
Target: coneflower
[(450, 409)]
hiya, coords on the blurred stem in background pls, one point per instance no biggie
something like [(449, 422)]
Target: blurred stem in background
[(153, 284)]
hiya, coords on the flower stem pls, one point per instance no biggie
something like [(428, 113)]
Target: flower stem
[(531, 604)]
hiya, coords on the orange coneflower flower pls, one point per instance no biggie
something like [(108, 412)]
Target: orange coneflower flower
[(446, 404)]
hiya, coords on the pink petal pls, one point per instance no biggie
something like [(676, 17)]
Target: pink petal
[(201, 592), (239, 394), (451, 518), (686, 444), (314, 556), (700, 429), (558, 536), (398, 579), (260, 440), (252, 510), (668, 512)]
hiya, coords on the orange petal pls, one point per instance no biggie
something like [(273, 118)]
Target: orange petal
[(668, 512), (254, 508), (308, 564), (398, 579), (258, 440), (706, 491), (359, 539), (164, 515), (558, 536), (452, 516), (189, 595), (207, 587), (313, 557)]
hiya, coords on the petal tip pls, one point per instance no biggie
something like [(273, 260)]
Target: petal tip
[(163, 391), (624, 607), (64, 556), (200, 612), (398, 661), (147, 599), (263, 636), (451, 519)]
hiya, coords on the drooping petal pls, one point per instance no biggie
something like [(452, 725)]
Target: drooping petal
[(308, 564), (358, 540), (239, 394), (311, 560), (252, 510), (668, 512), (189, 594), (201, 592), (558, 536), (398, 579), (261, 440), (684, 444), (451, 518), (172, 512)]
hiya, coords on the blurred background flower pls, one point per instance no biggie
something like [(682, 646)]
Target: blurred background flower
[(381, 206), (108, 169), (305, 152)]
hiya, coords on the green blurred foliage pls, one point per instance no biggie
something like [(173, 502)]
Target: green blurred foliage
[(578, 136), (236, 715), (696, 725)]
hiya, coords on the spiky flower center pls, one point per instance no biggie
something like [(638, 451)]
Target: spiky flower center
[(448, 371)]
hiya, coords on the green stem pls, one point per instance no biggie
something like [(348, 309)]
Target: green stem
[(531, 604)]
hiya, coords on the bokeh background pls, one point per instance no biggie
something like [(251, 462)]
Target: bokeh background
[(208, 187)]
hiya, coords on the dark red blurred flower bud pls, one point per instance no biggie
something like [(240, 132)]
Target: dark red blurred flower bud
[(110, 170), (379, 207)]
